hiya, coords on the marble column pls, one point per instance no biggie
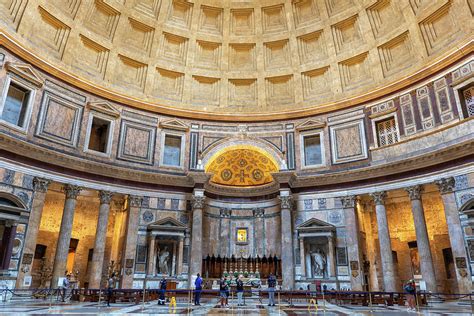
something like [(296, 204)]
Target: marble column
[(179, 268), (352, 242), (65, 232), (130, 245), (456, 236), (40, 187), (332, 257), (302, 258), (195, 263), (388, 267), (95, 272), (287, 260), (224, 233), (7, 244), (422, 240), (151, 256)]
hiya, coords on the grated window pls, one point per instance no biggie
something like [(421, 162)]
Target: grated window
[(387, 132)]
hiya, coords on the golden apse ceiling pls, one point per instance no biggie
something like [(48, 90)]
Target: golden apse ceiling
[(241, 167), (214, 59)]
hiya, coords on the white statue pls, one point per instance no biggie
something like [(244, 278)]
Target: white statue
[(163, 261), (318, 259)]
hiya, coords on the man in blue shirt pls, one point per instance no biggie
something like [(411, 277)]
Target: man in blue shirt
[(197, 292), (271, 289)]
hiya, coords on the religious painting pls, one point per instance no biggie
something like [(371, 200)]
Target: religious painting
[(415, 261), (129, 263), (241, 235), (354, 265), (461, 263)]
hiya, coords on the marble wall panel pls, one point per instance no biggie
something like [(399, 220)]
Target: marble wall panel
[(348, 142), (137, 142)]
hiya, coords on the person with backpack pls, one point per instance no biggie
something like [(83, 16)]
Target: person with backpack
[(64, 286), (223, 290), (271, 289), (198, 287), (110, 288), (162, 299), (410, 290), (240, 291)]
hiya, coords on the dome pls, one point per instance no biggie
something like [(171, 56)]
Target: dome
[(238, 60)]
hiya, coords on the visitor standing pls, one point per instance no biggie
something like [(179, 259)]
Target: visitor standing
[(240, 291), (410, 290), (163, 284), (271, 289), (197, 292), (64, 286), (223, 287), (110, 288)]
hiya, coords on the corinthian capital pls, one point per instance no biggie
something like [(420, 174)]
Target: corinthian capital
[(446, 185), (105, 197), (348, 201), (379, 197), (414, 192), (198, 201), (41, 184), (285, 201), (135, 201), (71, 191)]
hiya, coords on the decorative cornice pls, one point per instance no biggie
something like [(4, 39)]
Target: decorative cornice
[(348, 201), (285, 201), (135, 201), (379, 197), (105, 197), (446, 185), (414, 192), (71, 191), (198, 202), (41, 184)]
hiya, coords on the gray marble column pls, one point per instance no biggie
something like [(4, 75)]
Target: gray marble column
[(195, 263), (151, 256), (130, 243), (352, 242), (388, 267), (331, 257), (302, 257), (456, 236), (422, 240), (287, 260), (224, 233), (65, 231), (40, 187), (95, 272), (179, 268)]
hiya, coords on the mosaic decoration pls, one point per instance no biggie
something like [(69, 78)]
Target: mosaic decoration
[(242, 167)]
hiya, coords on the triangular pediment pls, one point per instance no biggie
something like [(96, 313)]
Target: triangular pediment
[(310, 124), (315, 224), (104, 107), (26, 72), (174, 124), (167, 223)]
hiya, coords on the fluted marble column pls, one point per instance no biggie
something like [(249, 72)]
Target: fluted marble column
[(65, 231), (352, 242), (40, 187), (422, 240), (388, 267), (287, 258), (456, 237), (130, 246), (195, 263), (95, 273)]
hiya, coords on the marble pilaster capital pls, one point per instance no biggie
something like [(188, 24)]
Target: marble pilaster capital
[(135, 201), (379, 197), (258, 212), (414, 192), (225, 212), (72, 191), (198, 201), (118, 204), (285, 201), (41, 184), (105, 197), (348, 201), (446, 185)]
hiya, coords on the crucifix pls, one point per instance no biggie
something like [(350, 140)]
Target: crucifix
[(243, 175)]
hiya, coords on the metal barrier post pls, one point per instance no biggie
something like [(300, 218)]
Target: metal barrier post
[(324, 304), (50, 301), (100, 297), (189, 301), (416, 302), (232, 300), (279, 303), (370, 301), (472, 305)]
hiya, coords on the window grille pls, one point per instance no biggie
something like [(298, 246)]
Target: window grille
[(387, 132), (469, 99)]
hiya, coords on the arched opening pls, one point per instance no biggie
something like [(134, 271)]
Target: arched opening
[(11, 208)]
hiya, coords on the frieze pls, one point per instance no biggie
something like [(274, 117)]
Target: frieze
[(135, 201), (322, 203), (348, 201), (225, 212), (461, 182)]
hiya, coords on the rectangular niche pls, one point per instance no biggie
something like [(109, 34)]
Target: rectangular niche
[(131, 73), (210, 20), (137, 142), (208, 55), (315, 83), (51, 33), (205, 90), (102, 19), (354, 71), (139, 36), (337, 6), (274, 19), (168, 84), (305, 12), (242, 92), (347, 34), (277, 54), (242, 22), (174, 48), (396, 54), (93, 56), (279, 90), (438, 28), (311, 47), (12, 11), (180, 14), (148, 7), (242, 56), (383, 17)]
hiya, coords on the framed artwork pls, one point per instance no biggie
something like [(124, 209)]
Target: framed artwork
[(242, 235)]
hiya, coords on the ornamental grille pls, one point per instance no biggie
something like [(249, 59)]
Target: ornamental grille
[(469, 98), (387, 132)]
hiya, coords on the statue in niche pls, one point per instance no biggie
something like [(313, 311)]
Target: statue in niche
[(163, 260), (318, 260)]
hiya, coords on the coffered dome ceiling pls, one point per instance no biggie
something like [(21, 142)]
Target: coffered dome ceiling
[(251, 57)]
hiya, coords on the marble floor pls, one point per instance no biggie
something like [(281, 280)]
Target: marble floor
[(211, 307)]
